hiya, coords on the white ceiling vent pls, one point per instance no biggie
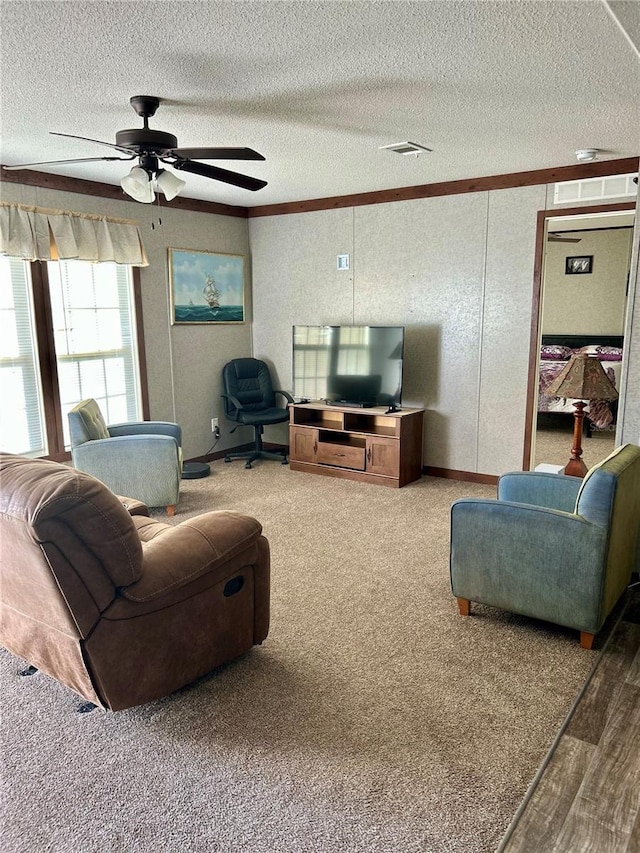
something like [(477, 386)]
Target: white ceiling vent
[(405, 148), (594, 189)]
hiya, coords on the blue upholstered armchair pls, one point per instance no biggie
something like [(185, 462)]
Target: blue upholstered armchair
[(141, 459), (552, 547)]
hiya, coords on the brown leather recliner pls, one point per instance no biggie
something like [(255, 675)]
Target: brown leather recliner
[(122, 608)]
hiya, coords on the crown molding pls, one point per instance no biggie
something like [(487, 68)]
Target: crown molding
[(469, 185), (598, 169), (63, 183)]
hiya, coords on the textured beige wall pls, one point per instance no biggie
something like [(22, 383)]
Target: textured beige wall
[(295, 263), (184, 363), (593, 303), (507, 328), (457, 271), (629, 409)]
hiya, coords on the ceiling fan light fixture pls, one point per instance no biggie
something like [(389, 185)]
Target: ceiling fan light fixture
[(139, 185), (150, 146), (169, 183)]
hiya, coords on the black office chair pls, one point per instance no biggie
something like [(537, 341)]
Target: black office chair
[(250, 399)]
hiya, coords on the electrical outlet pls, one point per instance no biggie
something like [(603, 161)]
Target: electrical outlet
[(215, 425)]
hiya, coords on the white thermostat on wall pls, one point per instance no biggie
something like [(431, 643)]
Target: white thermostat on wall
[(343, 262)]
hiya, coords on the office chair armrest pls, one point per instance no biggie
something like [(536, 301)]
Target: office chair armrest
[(286, 395), (555, 491), (147, 428), (232, 401)]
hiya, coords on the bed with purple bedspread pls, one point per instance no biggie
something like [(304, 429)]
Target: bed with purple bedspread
[(555, 352)]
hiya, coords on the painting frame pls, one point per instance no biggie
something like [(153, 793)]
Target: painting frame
[(206, 288), (579, 265)]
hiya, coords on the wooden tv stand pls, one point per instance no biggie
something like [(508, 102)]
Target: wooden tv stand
[(368, 445)]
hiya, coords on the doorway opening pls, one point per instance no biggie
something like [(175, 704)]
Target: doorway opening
[(582, 280)]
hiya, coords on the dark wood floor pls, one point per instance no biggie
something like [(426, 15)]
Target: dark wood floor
[(586, 796)]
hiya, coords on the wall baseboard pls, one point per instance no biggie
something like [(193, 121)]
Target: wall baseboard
[(240, 448), (427, 470), (466, 476)]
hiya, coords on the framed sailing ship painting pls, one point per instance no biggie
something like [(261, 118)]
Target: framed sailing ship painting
[(206, 287)]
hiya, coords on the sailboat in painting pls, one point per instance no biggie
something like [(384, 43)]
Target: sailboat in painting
[(211, 293)]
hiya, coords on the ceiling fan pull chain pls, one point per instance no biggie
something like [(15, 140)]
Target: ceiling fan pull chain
[(159, 217)]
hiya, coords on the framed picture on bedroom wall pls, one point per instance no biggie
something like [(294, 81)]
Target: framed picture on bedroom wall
[(206, 287), (580, 265)]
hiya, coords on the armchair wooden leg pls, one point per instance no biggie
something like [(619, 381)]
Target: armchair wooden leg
[(464, 606), (586, 639), (171, 510)]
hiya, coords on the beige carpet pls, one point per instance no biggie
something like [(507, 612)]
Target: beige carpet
[(373, 719), (555, 439)]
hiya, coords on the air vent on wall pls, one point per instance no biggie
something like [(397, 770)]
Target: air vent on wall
[(405, 148)]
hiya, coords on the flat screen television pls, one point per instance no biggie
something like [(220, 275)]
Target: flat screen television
[(349, 365)]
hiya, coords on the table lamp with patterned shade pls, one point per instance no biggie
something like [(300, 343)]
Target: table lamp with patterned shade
[(582, 379)]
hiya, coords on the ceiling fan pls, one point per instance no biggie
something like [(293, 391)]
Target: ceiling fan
[(554, 237), (152, 147)]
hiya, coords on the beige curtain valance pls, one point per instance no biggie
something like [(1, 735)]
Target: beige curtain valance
[(37, 234)]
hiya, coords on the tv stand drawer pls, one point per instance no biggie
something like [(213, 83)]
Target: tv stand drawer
[(341, 455)]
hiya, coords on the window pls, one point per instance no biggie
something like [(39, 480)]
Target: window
[(22, 427), (69, 331), (94, 337)]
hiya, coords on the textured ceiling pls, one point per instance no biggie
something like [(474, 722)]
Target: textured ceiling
[(318, 87)]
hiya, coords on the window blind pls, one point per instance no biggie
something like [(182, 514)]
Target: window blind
[(21, 415)]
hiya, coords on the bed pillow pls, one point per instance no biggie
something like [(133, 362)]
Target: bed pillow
[(602, 352), (605, 353), (555, 352)]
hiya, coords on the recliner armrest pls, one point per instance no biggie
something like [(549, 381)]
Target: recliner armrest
[(133, 506), (147, 428), (174, 556), (538, 488), (107, 447), (127, 460)]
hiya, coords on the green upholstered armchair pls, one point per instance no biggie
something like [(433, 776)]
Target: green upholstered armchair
[(552, 547), (141, 459)]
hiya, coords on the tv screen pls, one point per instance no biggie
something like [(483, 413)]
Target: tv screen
[(348, 365)]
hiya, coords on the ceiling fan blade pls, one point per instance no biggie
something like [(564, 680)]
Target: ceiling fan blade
[(216, 154), (556, 238), (233, 178), (87, 139), (61, 162)]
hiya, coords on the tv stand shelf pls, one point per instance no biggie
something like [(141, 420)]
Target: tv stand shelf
[(369, 445)]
